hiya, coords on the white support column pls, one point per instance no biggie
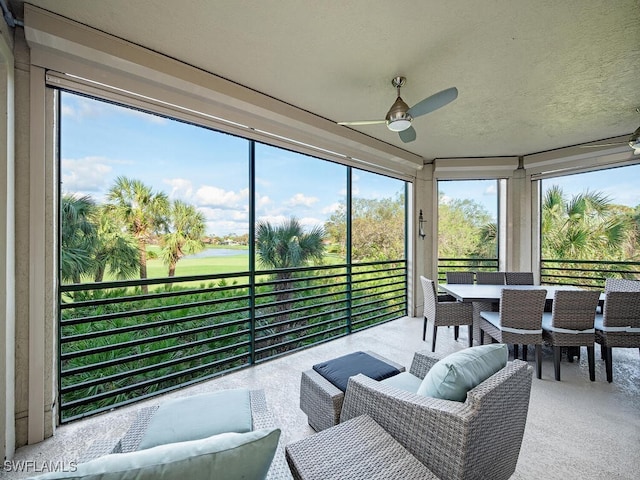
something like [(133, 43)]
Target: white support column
[(7, 251), (37, 259)]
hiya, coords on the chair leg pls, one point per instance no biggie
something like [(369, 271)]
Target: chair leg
[(557, 353), (424, 329), (592, 362), (608, 363), (433, 341), (456, 332), (515, 351), (538, 360), (481, 337), (470, 336), (524, 352)]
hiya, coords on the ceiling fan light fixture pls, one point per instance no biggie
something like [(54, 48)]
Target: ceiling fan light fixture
[(399, 125)]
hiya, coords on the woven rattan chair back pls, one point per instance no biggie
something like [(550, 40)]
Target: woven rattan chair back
[(572, 321), (460, 277), (430, 298), (622, 309), (518, 278), (490, 278), (574, 309), (621, 285), (522, 309)]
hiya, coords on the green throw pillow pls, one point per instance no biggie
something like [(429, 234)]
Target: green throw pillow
[(199, 416), (228, 455), (453, 376)]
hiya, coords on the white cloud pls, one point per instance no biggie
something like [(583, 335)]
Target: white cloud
[(329, 209), (273, 219), (491, 190), (310, 222), (180, 188), (300, 199), (217, 197), (87, 174), (445, 199)]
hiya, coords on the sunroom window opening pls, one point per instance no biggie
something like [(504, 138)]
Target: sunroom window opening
[(590, 227), (378, 217), (468, 230), (167, 275)]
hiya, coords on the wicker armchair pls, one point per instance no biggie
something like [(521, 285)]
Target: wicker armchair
[(618, 325), (444, 313), (571, 325), (479, 438), (519, 321)]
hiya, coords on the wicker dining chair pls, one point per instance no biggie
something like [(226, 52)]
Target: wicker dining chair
[(444, 313), (571, 324), (518, 278), (460, 277), (490, 278), (621, 285), (618, 325), (485, 278), (519, 321), (467, 278)]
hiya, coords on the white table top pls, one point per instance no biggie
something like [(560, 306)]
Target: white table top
[(491, 293)]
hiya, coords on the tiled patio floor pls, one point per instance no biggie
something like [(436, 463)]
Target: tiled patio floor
[(575, 429)]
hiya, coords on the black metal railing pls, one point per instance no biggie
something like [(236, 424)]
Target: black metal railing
[(465, 264), (586, 273), (119, 345)]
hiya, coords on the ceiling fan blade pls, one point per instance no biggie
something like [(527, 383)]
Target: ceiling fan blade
[(363, 122), (434, 102), (408, 135)]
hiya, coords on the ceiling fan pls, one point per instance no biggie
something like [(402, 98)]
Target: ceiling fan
[(633, 142), (399, 116)]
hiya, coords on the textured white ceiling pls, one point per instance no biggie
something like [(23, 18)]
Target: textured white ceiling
[(532, 75)]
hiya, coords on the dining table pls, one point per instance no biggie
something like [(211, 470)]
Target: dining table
[(463, 292)]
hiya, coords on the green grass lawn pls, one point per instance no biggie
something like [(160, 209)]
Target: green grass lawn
[(209, 265)]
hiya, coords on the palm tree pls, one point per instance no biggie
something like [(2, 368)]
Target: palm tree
[(142, 211), (187, 226), (78, 237), (115, 248), (283, 247), (585, 227)]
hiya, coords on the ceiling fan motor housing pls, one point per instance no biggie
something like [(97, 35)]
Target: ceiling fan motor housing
[(397, 117)]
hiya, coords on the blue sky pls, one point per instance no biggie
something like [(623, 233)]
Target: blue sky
[(208, 169), (100, 141)]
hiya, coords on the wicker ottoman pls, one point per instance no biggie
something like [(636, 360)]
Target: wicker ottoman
[(322, 401), (356, 449)]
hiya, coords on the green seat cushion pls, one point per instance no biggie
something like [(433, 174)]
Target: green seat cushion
[(199, 416), (404, 381), (453, 376), (227, 455)]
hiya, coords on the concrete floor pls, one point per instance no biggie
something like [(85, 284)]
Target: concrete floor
[(576, 429)]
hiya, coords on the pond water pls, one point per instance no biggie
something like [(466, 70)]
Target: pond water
[(217, 252)]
